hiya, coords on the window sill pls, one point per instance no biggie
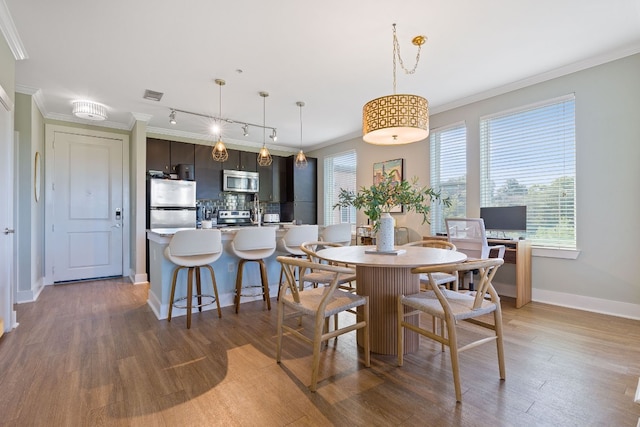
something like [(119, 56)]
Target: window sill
[(561, 253)]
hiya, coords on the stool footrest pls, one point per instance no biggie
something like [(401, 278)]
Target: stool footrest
[(259, 291), (176, 305)]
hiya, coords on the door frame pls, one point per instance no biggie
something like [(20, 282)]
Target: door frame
[(49, 207)]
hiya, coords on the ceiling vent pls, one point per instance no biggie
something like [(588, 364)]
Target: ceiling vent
[(152, 95)]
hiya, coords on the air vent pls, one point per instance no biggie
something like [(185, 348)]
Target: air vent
[(152, 95)]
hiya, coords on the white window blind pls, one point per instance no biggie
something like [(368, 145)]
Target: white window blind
[(339, 172), (528, 157), (448, 154)]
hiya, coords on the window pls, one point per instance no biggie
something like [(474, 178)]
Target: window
[(339, 172), (448, 147), (528, 157)]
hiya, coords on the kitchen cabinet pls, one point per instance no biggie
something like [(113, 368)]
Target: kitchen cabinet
[(181, 153), (159, 155), (241, 160), (301, 183), (272, 180), (305, 212), (208, 173)]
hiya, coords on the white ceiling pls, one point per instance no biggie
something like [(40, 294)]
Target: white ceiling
[(334, 55)]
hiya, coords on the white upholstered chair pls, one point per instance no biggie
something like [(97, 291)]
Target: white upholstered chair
[(320, 304), (253, 244), (290, 243), (194, 249), (337, 233), (470, 238), (453, 307)]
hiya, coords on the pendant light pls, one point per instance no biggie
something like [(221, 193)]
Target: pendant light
[(301, 159), (219, 151), (264, 157), (397, 119)]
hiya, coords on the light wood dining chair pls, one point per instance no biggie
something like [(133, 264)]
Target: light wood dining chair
[(320, 304), (320, 277), (440, 277), (452, 307)]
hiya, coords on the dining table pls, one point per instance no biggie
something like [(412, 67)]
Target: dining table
[(383, 276)]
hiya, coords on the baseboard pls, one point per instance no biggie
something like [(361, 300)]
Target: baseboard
[(138, 278), (579, 302), (32, 294)]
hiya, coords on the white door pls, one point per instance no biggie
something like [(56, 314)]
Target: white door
[(7, 315), (88, 206)]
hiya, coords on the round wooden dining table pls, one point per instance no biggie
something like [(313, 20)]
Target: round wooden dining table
[(382, 277)]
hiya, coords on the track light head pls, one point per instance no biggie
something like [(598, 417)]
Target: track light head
[(245, 129), (172, 117), (273, 135)]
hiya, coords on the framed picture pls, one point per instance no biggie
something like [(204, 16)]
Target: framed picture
[(395, 166)]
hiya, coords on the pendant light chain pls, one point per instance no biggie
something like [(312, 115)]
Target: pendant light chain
[(418, 41), (264, 157), (301, 159), (219, 152)]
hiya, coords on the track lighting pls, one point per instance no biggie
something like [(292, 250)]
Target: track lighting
[(245, 129), (273, 135), (172, 117)]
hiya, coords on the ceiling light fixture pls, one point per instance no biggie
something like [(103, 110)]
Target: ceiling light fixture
[(219, 151), (301, 159), (172, 117), (264, 157), (397, 119), (89, 110)]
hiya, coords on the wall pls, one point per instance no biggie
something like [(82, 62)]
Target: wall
[(608, 153), (138, 160)]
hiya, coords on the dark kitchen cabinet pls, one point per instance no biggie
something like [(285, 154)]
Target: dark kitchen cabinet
[(208, 173), (272, 180), (159, 155), (305, 212), (181, 153), (301, 183), (241, 161)]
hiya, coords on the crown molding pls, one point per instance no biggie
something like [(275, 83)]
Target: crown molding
[(10, 33), (542, 77), (140, 117), (36, 95), (74, 119)]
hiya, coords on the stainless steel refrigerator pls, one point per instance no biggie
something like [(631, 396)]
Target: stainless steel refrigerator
[(171, 203)]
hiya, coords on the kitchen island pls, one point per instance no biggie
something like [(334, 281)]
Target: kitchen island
[(161, 272)]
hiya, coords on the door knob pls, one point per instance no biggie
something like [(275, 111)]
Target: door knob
[(9, 230)]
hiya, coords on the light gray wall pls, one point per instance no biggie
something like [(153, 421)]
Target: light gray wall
[(602, 278), (8, 69)]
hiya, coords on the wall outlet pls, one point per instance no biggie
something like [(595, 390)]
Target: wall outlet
[(230, 267)]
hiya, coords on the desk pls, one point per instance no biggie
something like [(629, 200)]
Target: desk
[(382, 278), (516, 252)]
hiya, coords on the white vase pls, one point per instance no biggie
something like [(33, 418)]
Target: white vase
[(384, 241)]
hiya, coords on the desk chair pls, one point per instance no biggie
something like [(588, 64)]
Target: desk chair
[(320, 304), (452, 307), (193, 249), (470, 238)]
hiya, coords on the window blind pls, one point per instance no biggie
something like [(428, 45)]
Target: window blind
[(339, 172), (448, 173), (528, 157)]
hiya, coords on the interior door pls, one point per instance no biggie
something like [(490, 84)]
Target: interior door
[(88, 206), (7, 316)]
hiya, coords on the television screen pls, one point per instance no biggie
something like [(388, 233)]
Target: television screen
[(505, 218)]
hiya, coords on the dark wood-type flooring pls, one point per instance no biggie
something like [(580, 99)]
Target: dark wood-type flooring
[(93, 353)]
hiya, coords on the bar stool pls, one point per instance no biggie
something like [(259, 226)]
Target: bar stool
[(194, 249), (337, 233), (290, 245), (253, 244)]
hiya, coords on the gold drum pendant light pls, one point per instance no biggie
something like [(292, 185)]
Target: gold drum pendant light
[(399, 118), (264, 157), (219, 151), (301, 159)]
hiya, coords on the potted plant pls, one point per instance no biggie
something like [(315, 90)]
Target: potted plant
[(378, 200)]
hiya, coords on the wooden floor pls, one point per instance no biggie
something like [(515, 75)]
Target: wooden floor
[(93, 353)]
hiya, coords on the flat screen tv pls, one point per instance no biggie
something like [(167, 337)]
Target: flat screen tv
[(505, 218)]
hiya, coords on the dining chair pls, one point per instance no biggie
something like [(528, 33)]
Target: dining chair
[(440, 277), (470, 238), (345, 281), (290, 242), (320, 304), (451, 307)]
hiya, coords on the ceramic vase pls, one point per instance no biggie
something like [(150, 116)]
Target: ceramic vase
[(384, 241)]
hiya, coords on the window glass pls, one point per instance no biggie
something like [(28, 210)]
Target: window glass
[(339, 172)]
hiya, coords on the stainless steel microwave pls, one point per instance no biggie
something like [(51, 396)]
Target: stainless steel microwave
[(240, 181)]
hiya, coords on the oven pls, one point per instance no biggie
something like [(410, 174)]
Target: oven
[(240, 181)]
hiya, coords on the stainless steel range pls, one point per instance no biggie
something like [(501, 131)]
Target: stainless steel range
[(234, 218)]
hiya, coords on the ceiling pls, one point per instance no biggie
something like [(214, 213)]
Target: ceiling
[(334, 55)]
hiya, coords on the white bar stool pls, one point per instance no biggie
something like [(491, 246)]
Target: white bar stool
[(194, 249), (290, 244), (337, 233), (253, 244)]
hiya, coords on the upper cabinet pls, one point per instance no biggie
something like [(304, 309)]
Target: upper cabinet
[(272, 180), (301, 183), (181, 153), (208, 173), (159, 155), (241, 160)]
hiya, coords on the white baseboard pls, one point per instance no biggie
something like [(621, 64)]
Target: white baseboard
[(32, 294), (138, 278), (580, 302)]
